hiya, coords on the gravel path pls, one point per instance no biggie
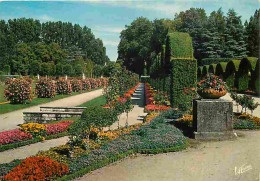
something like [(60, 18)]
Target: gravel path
[(214, 161), (30, 150), (10, 120)]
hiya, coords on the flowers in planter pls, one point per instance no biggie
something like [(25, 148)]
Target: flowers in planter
[(212, 82), (13, 136), (18, 91), (45, 88), (63, 87), (37, 168)]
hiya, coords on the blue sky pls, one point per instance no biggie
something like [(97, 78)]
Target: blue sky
[(107, 18)]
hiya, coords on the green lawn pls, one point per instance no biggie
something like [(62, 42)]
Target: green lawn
[(5, 108), (99, 101), (2, 89)]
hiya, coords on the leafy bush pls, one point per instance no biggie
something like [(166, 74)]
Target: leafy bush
[(18, 91), (95, 116), (37, 168), (63, 87), (45, 88)]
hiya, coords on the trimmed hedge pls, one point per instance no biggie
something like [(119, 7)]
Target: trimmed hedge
[(212, 68), (205, 70), (208, 61), (256, 78), (162, 84), (199, 73), (221, 69), (179, 45), (230, 75), (184, 75)]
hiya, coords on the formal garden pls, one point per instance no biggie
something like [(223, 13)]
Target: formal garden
[(161, 95)]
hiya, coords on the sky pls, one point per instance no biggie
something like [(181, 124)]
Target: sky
[(107, 18)]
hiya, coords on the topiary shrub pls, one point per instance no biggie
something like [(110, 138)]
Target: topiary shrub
[(178, 45), (18, 91), (37, 168), (76, 85), (63, 87), (94, 116), (205, 70), (45, 88), (183, 75)]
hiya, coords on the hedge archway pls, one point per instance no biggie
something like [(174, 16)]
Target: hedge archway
[(231, 72), (246, 73), (212, 68), (221, 69), (205, 70), (199, 73)]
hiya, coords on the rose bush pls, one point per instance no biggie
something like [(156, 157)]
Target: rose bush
[(18, 91), (76, 85), (45, 88), (63, 87)]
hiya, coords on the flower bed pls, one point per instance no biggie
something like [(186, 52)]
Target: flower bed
[(102, 148), (155, 101), (31, 130), (37, 168)]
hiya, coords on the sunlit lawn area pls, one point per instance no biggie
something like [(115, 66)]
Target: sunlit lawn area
[(99, 101)]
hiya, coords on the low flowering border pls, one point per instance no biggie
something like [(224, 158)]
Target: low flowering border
[(17, 138), (149, 100)]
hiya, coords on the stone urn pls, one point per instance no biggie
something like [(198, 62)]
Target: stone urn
[(211, 93)]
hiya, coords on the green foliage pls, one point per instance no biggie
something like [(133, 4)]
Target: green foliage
[(95, 116), (67, 70), (212, 68), (7, 69), (184, 75)]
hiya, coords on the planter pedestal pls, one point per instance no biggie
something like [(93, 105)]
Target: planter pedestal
[(212, 119)]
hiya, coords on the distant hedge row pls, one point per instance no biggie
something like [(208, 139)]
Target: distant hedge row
[(208, 61), (240, 74)]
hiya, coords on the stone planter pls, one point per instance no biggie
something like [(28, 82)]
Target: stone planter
[(211, 93)]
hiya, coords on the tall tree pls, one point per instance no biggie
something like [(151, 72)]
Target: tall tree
[(253, 36), (135, 44), (235, 44)]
